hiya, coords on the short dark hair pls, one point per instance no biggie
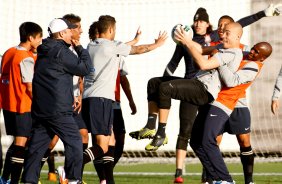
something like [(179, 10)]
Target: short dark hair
[(104, 22), (28, 29), (226, 17), (93, 30), (72, 18)]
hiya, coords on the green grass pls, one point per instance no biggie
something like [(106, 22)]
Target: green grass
[(192, 171)]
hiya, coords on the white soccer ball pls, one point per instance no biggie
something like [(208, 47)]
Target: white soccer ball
[(186, 28)]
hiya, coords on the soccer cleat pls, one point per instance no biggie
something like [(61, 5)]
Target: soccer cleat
[(39, 182), (62, 175), (178, 179), (156, 143), (83, 182), (52, 177), (144, 133)]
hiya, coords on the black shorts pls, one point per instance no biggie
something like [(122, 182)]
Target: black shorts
[(118, 124), (17, 124), (239, 121), (97, 113), (79, 120)]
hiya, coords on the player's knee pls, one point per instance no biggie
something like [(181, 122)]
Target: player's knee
[(182, 143)]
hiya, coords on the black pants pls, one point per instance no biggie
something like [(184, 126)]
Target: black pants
[(43, 132), (167, 88), (191, 92)]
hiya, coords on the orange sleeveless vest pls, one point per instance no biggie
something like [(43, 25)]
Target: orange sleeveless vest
[(229, 96), (13, 96)]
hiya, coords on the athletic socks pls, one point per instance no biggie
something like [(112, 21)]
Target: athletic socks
[(151, 122), (45, 157), (99, 167), (91, 153), (247, 159), (17, 160), (7, 165), (161, 129), (108, 161), (118, 149), (51, 162), (84, 147), (104, 166), (178, 173)]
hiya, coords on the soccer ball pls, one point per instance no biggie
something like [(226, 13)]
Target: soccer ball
[(186, 28)]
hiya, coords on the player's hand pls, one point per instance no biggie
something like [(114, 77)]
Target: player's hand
[(181, 36), (133, 108), (274, 106), (75, 43), (272, 10), (77, 104), (138, 35), (161, 38)]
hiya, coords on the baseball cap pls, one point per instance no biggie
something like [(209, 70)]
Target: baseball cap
[(60, 24), (201, 14)]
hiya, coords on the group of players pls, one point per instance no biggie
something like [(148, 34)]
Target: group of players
[(42, 100), (227, 110)]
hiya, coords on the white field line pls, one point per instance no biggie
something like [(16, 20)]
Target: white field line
[(170, 174)]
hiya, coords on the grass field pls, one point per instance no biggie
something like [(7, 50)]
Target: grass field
[(264, 173)]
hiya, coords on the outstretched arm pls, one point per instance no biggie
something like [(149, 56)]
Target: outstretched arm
[(271, 10), (136, 38), (140, 49)]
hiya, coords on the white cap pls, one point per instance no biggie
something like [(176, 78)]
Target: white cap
[(60, 24)]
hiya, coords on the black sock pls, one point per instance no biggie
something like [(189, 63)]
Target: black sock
[(99, 167), (91, 153), (178, 173), (108, 161), (7, 165), (51, 162), (247, 159), (17, 160), (45, 157), (118, 148), (161, 129), (151, 122), (84, 147)]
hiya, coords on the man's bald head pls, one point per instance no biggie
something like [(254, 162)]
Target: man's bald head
[(260, 51), (232, 35)]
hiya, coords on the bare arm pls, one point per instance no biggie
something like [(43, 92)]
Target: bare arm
[(196, 51), (126, 88), (78, 99), (136, 38), (140, 49)]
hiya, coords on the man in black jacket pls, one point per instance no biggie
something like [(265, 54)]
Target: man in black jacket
[(53, 99)]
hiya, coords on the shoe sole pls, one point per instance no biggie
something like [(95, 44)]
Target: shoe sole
[(135, 135), (157, 147)]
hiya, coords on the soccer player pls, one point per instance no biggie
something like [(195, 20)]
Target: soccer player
[(212, 118), (53, 99), (276, 93), (116, 142), (202, 89), (16, 95), (99, 87)]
